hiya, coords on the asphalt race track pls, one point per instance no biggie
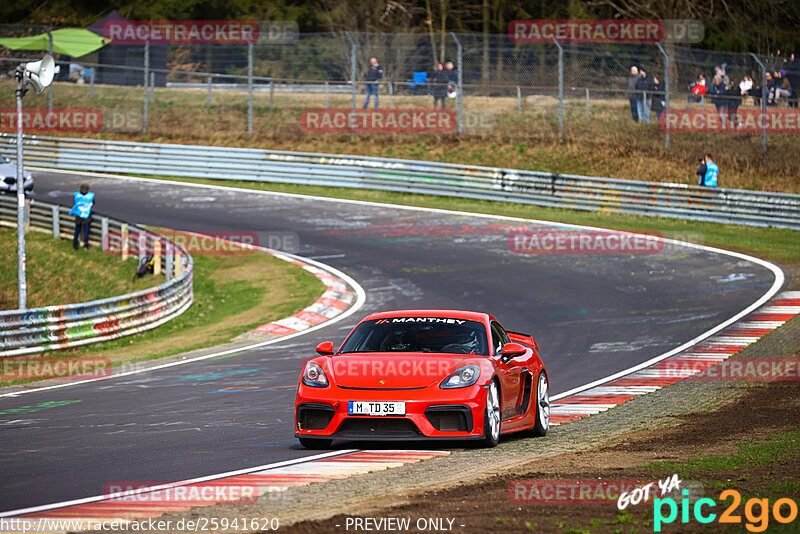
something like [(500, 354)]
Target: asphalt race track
[(592, 314)]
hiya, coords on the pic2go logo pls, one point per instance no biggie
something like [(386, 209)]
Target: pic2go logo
[(756, 522)]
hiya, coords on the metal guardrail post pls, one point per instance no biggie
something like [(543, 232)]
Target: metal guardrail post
[(353, 73), (560, 88), (141, 245), (519, 101), (124, 242), (178, 261), (764, 95), (169, 260), (156, 255), (460, 95), (146, 78), (91, 81), (104, 239), (250, 90), (327, 96), (50, 88), (152, 85), (208, 94), (666, 95), (391, 94), (56, 222)]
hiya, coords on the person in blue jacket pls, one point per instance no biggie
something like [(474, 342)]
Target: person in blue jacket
[(82, 210), (712, 171)]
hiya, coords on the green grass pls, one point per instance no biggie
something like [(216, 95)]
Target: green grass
[(774, 244), (57, 274), (233, 294), (771, 449)]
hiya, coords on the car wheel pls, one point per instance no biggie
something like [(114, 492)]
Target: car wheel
[(491, 418), (315, 443), (542, 406)]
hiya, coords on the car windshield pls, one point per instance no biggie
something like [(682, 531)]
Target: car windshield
[(419, 334)]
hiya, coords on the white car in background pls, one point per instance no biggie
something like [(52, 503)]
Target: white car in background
[(8, 174)]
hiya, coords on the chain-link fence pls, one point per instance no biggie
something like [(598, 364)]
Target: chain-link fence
[(491, 87)]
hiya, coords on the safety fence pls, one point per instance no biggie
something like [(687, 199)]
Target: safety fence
[(56, 327), (498, 86), (568, 191)]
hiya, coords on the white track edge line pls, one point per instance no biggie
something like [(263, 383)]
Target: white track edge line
[(99, 498)]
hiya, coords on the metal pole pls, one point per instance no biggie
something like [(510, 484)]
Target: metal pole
[(271, 93), (152, 85), (587, 102), (327, 96), (391, 94), (146, 73), (50, 89), (208, 96), (353, 74), (22, 285), (763, 106), (666, 95), (91, 81), (560, 89), (519, 101), (250, 90), (460, 95)]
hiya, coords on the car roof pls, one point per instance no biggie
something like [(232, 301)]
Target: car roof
[(455, 314)]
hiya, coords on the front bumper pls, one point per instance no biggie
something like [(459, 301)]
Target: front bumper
[(431, 413)]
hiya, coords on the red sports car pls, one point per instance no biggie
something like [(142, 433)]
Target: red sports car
[(423, 374)]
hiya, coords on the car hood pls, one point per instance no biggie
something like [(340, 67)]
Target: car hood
[(395, 370)]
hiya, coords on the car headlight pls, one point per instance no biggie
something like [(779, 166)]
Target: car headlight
[(314, 376), (462, 377)]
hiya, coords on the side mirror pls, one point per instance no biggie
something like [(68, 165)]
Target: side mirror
[(512, 350), (325, 348), (9, 180)]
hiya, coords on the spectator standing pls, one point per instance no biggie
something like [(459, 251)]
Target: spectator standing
[(701, 172), (734, 94), (719, 91), (374, 76), (770, 89), (439, 86), (633, 95), (793, 75), (643, 86), (712, 172), (82, 210), (657, 101), (745, 85)]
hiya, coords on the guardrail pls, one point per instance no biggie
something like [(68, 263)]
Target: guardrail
[(57, 327), (569, 191)]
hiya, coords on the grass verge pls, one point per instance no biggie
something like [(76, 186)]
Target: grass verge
[(233, 294)]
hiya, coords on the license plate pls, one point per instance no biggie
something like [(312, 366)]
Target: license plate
[(376, 408)]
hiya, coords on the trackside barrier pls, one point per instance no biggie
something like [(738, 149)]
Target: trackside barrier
[(57, 327), (736, 206)]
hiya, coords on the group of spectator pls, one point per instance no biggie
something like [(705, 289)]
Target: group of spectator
[(443, 82), (641, 89), (782, 85)]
